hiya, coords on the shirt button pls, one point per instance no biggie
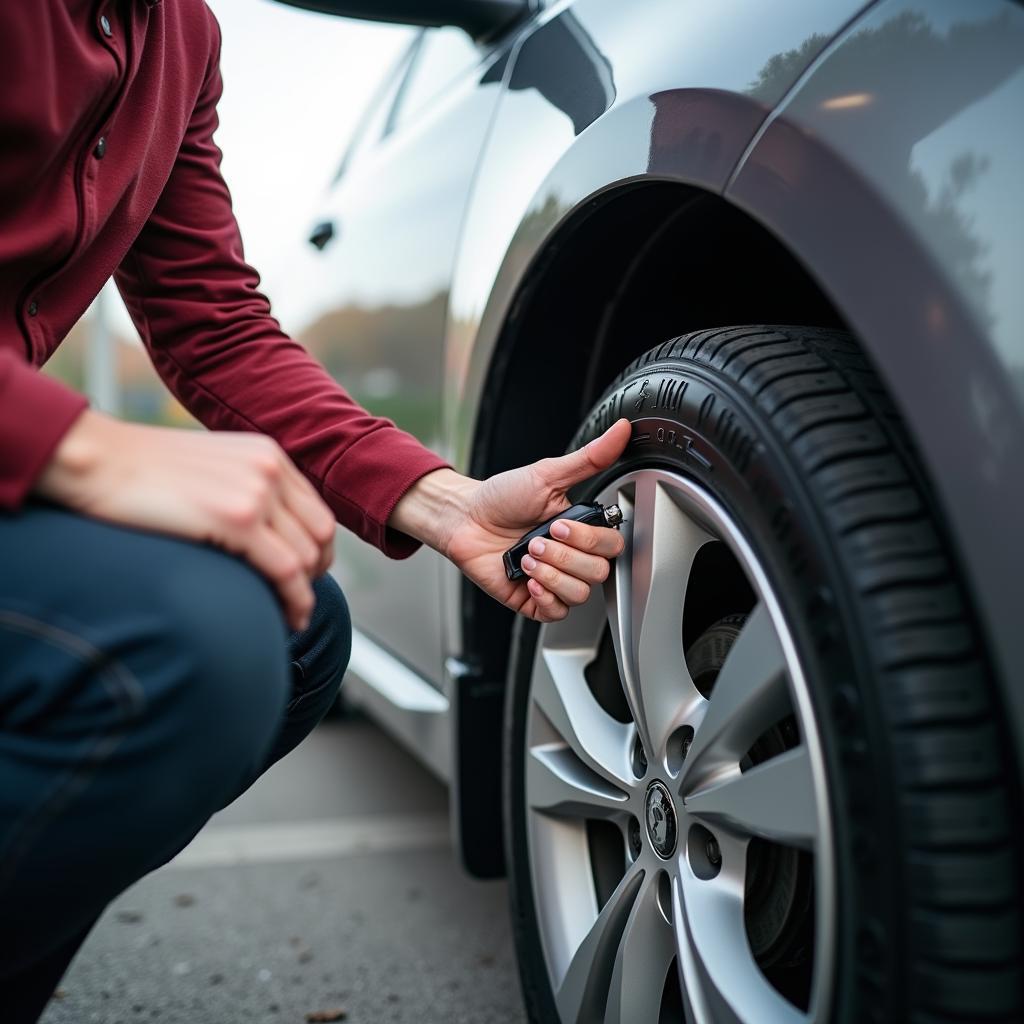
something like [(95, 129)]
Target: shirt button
[(105, 25), (100, 148), (33, 308)]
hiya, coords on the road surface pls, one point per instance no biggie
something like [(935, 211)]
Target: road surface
[(330, 887)]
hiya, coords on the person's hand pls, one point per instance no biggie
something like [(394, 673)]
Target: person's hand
[(237, 491), (473, 523)]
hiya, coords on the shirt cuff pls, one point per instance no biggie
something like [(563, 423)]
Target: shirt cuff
[(365, 484), (36, 411)]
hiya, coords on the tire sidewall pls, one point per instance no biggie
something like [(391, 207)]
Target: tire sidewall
[(690, 420)]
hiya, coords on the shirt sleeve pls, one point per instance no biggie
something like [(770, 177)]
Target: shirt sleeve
[(210, 333), (35, 413)]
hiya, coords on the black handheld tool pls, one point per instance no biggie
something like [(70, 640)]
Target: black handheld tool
[(593, 515)]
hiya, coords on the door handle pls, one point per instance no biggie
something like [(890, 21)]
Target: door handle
[(322, 234)]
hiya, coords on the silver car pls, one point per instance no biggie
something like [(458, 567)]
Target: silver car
[(771, 772)]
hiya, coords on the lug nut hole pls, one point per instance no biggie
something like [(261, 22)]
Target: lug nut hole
[(639, 759), (678, 747), (665, 895), (703, 852), (635, 839)]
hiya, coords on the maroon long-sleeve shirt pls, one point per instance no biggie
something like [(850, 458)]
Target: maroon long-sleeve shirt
[(108, 166)]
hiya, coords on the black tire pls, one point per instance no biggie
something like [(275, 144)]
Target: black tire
[(791, 431)]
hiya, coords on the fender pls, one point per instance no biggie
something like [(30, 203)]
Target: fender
[(594, 100), (850, 177), (474, 359), (595, 97)]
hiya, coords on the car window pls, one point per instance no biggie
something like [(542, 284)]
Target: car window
[(444, 54)]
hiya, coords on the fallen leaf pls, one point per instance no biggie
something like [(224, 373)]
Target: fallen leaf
[(325, 1016)]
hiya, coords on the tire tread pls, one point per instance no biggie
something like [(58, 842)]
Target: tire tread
[(949, 758)]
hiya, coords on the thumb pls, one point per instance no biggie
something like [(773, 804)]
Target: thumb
[(583, 463)]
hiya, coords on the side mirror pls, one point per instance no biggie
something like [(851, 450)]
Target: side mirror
[(482, 19)]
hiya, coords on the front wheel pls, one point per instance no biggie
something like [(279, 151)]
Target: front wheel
[(759, 777)]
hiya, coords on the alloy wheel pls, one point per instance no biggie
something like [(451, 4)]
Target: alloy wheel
[(678, 821)]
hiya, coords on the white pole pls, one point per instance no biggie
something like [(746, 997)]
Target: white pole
[(101, 383)]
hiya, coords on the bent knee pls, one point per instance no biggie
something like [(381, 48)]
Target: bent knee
[(321, 652), (225, 682)]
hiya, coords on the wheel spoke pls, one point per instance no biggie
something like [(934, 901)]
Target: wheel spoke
[(641, 964), (722, 983), (562, 693), (618, 601), (695, 1010), (582, 992), (559, 783), (750, 695), (609, 963), (773, 800), (646, 612)]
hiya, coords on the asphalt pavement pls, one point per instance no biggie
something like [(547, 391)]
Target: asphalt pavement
[(329, 891)]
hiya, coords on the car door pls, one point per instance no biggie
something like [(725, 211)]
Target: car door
[(378, 300)]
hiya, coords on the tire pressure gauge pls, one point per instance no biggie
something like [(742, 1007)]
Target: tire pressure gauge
[(592, 515)]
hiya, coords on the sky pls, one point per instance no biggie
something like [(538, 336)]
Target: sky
[(295, 84)]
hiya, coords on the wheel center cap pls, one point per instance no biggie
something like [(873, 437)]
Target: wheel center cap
[(661, 820)]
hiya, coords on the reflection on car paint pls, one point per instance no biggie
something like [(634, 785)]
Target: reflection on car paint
[(920, 99)]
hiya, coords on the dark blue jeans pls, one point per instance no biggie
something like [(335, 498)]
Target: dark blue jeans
[(145, 682)]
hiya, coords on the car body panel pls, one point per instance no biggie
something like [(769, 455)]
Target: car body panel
[(900, 142), (376, 317), (597, 97), (764, 109)]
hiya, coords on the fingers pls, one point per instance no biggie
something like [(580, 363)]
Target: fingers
[(580, 465), (569, 560), (291, 530), (295, 510), (562, 573), (295, 535), (326, 559), (311, 512), (268, 553), (569, 584), (595, 540), (547, 607)]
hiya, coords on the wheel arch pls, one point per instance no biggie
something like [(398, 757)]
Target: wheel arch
[(611, 245), (615, 245), (899, 304)]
